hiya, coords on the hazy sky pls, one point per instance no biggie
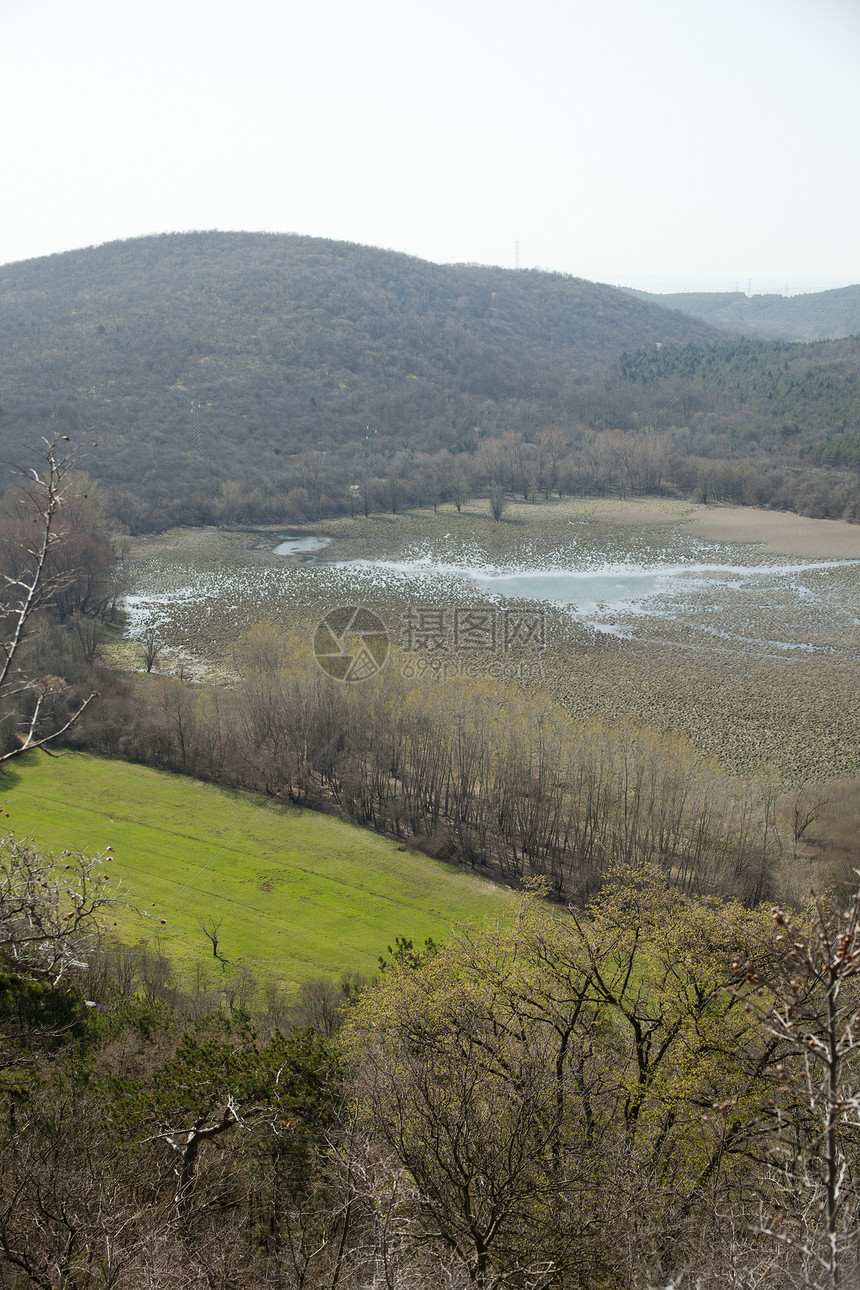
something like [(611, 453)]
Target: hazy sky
[(670, 144)]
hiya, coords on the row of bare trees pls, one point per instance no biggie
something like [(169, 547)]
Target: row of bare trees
[(698, 462), (472, 770)]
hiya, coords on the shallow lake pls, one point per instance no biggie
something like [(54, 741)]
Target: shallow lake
[(703, 596)]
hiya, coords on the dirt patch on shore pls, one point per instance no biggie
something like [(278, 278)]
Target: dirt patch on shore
[(778, 531)]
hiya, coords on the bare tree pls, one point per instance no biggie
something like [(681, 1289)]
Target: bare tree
[(807, 806), (498, 499), (813, 1000), (50, 920), (90, 631), (48, 912), (27, 588), (210, 927), (150, 647)]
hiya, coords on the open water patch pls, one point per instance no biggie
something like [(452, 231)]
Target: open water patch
[(611, 597), (304, 545)]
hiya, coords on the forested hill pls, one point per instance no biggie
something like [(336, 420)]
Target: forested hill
[(292, 344), (821, 315)]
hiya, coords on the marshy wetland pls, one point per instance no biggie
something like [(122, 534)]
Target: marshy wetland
[(737, 628)]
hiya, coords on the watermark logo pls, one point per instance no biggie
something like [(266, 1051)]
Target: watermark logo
[(445, 668), (459, 642), (351, 644), (428, 630)]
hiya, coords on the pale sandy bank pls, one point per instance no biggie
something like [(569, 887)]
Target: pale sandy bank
[(779, 531), (776, 531)]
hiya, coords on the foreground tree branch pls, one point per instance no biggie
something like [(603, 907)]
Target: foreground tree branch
[(30, 589), (812, 1005)]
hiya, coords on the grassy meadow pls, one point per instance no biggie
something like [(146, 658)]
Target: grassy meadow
[(298, 894)]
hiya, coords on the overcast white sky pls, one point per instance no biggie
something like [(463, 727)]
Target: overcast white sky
[(669, 145)]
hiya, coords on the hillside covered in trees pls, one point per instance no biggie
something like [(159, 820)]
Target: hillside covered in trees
[(299, 342), (817, 315), (292, 346), (262, 378), (796, 389)]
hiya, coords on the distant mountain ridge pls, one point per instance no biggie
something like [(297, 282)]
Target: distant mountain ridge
[(821, 315)]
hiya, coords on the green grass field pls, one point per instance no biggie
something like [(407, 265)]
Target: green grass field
[(299, 894)]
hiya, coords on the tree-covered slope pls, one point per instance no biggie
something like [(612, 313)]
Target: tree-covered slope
[(791, 388), (294, 343), (821, 315)]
